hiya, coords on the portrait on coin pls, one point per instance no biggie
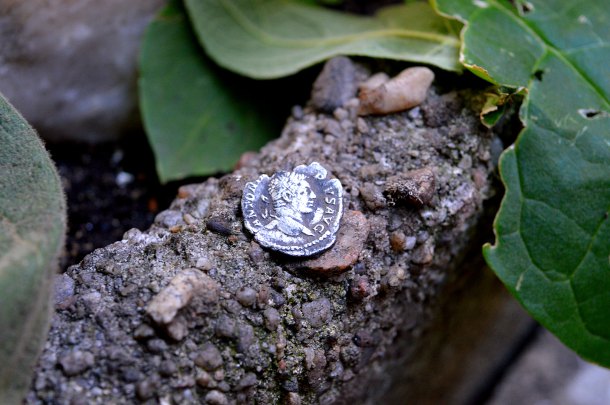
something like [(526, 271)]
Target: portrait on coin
[(291, 197)]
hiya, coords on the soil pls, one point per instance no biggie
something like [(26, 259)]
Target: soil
[(110, 188)]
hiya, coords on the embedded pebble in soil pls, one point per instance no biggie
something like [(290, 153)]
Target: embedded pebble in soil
[(194, 311)]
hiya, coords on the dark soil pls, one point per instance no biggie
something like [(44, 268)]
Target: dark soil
[(110, 188)]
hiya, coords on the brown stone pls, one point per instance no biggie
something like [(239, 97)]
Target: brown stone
[(352, 234), (415, 187)]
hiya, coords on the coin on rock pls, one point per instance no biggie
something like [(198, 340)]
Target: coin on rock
[(296, 213)]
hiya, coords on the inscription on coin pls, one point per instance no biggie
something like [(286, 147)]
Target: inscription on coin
[(297, 212)]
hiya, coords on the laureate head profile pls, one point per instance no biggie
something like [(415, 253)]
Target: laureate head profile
[(291, 197)]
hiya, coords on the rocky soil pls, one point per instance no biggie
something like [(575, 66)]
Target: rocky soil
[(193, 310)]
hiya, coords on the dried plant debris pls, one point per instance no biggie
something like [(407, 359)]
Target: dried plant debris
[(203, 315)]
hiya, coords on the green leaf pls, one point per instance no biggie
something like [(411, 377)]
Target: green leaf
[(552, 232), (272, 38), (198, 120), (32, 227)]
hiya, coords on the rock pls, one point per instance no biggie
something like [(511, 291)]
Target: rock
[(70, 67), (416, 187), (272, 318), (405, 91), (64, 291), (248, 380), (75, 362), (216, 398), (372, 196), (219, 225), (246, 296), (318, 312), (209, 358), (335, 84), (323, 338), (352, 234), (189, 282)]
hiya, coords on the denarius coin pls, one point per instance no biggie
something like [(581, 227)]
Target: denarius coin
[(296, 213)]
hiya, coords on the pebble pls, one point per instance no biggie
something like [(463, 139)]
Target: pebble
[(146, 388), (167, 368), (64, 290), (209, 358), (246, 296), (219, 225), (225, 326), (75, 362), (360, 288), (272, 318), (156, 345), (143, 332), (415, 187), (177, 294), (293, 399), (215, 397), (318, 312), (372, 197), (177, 329), (248, 380), (256, 253), (335, 84), (398, 241), (169, 218), (351, 237), (407, 90), (204, 379)]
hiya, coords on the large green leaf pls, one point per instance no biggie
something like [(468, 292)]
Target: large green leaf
[(552, 232), (32, 226), (199, 120), (272, 38)]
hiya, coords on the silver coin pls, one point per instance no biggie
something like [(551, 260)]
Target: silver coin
[(297, 212)]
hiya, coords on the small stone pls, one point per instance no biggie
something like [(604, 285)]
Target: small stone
[(352, 235), (177, 328), (335, 85), (407, 90), (398, 241), (145, 389), (293, 399), (131, 374), (179, 292), (318, 312), (167, 368), (204, 379), (245, 337), (416, 187), (203, 263), (424, 253), (64, 290), (156, 346), (143, 332), (225, 327), (246, 296), (75, 362), (209, 358), (360, 288), (169, 218), (219, 225), (410, 242), (215, 397), (248, 380), (372, 197), (256, 252), (272, 318)]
